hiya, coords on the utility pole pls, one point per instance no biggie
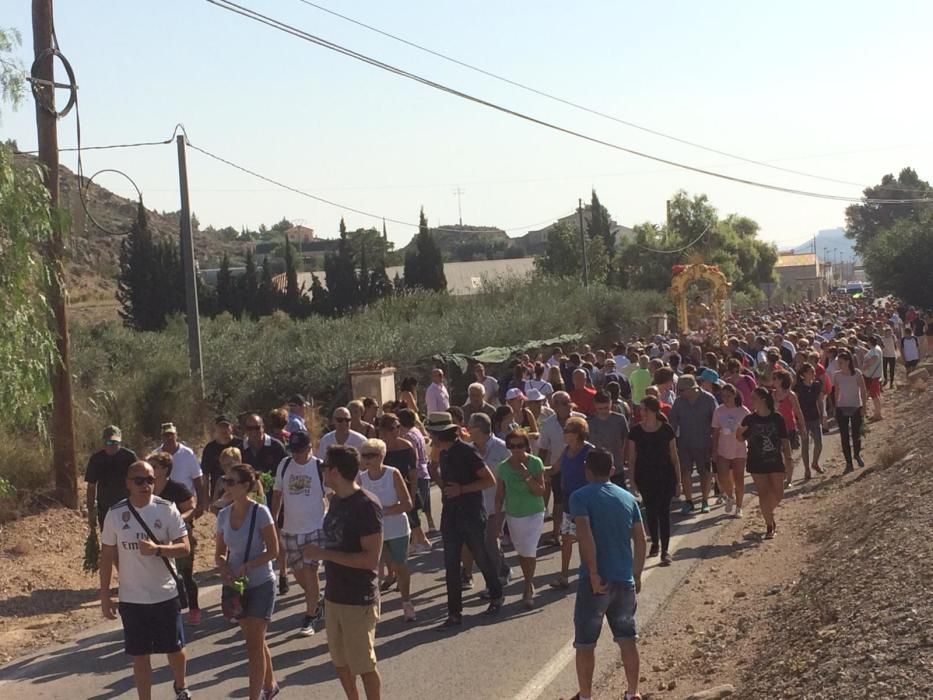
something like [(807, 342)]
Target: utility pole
[(64, 463), (191, 279), (586, 273), (459, 193)]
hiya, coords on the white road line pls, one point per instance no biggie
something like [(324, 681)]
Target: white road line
[(533, 689)]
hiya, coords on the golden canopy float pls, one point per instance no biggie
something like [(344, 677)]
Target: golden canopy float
[(700, 294)]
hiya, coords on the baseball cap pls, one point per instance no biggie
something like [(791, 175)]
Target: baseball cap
[(223, 419), (168, 428), (112, 434), (297, 400), (708, 375), (299, 441)]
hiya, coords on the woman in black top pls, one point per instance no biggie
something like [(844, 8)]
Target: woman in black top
[(400, 453), (655, 470), (810, 396), (768, 453)]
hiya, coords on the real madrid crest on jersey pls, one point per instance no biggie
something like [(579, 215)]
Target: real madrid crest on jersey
[(126, 520), (157, 524)]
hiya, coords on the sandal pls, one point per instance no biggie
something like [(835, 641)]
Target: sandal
[(561, 583)]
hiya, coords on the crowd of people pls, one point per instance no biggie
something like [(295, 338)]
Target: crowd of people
[(601, 442)]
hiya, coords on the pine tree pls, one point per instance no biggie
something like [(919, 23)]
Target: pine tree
[(292, 291), (342, 283), (599, 226), (225, 290), (267, 295), (380, 286), (424, 265), (249, 287), (320, 298)]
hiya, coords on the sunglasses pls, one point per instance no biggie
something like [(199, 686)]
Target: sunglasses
[(143, 480), (516, 446), (341, 420), (369, 455), (231, 481), (112, 443), (158, 465)]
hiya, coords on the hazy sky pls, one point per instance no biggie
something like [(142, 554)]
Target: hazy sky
[(836, 88)]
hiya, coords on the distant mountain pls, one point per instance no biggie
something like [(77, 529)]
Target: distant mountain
[(828, 240)]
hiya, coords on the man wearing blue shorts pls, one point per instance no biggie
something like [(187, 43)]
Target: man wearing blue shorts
[(611, 538)]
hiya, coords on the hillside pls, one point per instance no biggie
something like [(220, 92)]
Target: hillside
[(94, 254), (827, 241), (463, 243)]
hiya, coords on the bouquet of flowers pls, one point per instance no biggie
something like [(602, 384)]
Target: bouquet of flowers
[(91, 551)]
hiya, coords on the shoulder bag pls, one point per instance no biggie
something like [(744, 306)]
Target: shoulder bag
[(179, 584)]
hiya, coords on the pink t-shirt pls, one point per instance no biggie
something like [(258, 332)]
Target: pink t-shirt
[(727, 419)]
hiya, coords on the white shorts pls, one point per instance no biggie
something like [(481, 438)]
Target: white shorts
[(525, 532), (568, 526)]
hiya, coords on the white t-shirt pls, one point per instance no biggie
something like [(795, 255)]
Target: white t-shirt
[(890, 345), (492, 390), (552, 437), (872, 357), (185, 467), (544, 387), (437, 398), (302, 496), (354, 439), (910, 348), (143, 579)]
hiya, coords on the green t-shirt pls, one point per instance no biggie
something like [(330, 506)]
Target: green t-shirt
[(640, 380), (519, 500)]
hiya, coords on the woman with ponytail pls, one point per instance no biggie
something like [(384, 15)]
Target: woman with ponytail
[(765, 434), (655, 470), (246, 546)]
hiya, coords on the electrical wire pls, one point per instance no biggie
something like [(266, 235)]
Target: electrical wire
[(306, 36), (338, 205), (571, 103), (676, 250)]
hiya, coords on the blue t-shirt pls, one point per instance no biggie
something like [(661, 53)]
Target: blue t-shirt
[(236, 541), (573, 472), (612, 512)]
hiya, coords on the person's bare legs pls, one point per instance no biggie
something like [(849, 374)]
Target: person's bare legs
[(724, 472), (177, 662), (254, 631), (763, 485), (372, 684), (706, 480), (142, 676), (566, 552), (686, 484), (586, 665), (738, 480), (307, 579), (404, 580), (528, 565), (268, 681), (348, 681), (631, 661), (777, 492)]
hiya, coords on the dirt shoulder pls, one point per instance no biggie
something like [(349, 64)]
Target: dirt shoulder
[(45, 596), (836, 606)]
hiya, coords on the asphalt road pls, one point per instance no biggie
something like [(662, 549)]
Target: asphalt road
[(521, 655)]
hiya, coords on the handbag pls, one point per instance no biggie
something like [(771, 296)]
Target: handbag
[(179, 584), (232, 601)]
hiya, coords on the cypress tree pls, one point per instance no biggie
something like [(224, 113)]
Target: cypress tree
[(267, 295), (225, 290), (249, 287), (292, 291), (424, 265)]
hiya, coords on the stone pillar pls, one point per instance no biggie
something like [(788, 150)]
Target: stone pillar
[(379, 383)]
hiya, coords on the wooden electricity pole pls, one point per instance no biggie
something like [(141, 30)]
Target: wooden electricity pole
[(62, 428), (190, 272)]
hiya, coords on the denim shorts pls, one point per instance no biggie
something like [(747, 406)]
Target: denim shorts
[(257, 602), (617, 605)]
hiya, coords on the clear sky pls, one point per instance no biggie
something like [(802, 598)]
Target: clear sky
[(838, 88)]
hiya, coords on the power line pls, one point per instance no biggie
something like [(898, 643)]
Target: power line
[(571, 103), (301, 34), (339, 205), (675, 250)]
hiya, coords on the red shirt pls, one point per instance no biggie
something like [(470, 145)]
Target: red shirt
[(583, 398)]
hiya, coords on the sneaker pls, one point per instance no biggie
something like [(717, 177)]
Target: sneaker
[(283, 585), (730, 504), (307, 626), (705, 507), (655, 550), (194, 617), (408, 611), (739, 513), (182, 694), (466, 584), (860, 461), (494, 607), (269, 693), (665, 559), (720, 499), (769, 535), (686, 508)]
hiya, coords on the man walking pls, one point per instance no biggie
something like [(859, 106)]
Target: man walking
[(210, 457), (612, 556), (297, 414), (436, 396), (462, 476), (550, 446), (873, 369), (493, 451), (340, 435), (351, 550), (142, 533), (609, 431), (261, 451), (477, 403), (692, 420), (187, 471), (490, 384), (299, 486), (106, 476)]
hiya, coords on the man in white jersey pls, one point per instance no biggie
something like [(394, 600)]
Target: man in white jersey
[(341, 434), (140, 535), (299, 487)]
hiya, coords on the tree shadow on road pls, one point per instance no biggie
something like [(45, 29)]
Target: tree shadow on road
[(46, 601)]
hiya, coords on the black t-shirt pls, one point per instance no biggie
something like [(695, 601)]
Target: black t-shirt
[(348, 520), (210, 458), (763, 436), (653, 463), (109, 473), (267, 458), (918, 326), (176, 493), (459, 465), (808, 396)]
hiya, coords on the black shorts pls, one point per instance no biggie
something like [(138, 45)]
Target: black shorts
[(153, 628)]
